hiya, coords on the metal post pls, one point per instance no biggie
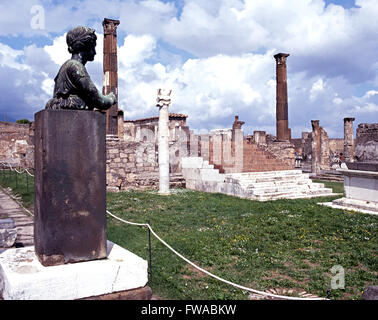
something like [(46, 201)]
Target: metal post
[(149, 251)]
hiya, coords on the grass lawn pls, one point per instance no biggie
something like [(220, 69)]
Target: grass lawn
[(261, 245), (22, 186)]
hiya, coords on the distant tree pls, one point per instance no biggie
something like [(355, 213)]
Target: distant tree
[(23, 121)]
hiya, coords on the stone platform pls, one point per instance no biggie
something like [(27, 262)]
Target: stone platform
[(353, 205), (260, 186), (23, 277), (361, 189)]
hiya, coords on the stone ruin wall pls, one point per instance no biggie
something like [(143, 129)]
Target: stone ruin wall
[(284, 150), (131, 165), (17, 144), (336, 146), (132, 160), (367, 142)]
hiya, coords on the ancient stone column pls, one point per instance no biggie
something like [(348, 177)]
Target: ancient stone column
[(282, 124), (320, 148), (163, 102), (110, 76), (348, 140), (237, 137), (315, 147)]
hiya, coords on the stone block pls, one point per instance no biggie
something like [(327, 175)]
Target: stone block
[(360, 185), (191, 162), (7, 237), (70, 186), (22, 277)]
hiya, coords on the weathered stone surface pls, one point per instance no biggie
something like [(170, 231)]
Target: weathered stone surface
[(371, 293), (24, 278), (16, 144), (348, 139), (363, 166), (8, 233), (367, 142), (7, 237), (321, 159), (70, 189)]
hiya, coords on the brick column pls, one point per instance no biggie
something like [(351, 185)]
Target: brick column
[(348, 140), (110, 77), (282, 124)]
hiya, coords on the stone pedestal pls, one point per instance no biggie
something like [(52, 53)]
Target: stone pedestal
[(360, 187), (123, 275), (70, 187)]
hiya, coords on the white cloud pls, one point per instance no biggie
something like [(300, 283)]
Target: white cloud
[(233, 71), (135, 49), (11, 58)]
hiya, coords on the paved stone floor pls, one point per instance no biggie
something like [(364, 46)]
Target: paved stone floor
[(9, 208)]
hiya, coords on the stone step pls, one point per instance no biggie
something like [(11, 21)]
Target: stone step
[(287, 189), (282, 183), (293, 195), (191, 162), (267, 173), (268, 179)]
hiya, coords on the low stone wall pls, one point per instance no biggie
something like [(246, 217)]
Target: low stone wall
[(131, 165)]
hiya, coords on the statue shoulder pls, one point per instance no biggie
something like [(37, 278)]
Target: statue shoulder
[(75, 69)]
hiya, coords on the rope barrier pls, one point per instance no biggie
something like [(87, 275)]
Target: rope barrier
[(207, 272), (187, 260), (14, 169)]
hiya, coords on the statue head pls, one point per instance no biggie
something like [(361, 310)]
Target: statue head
[(82, 40)]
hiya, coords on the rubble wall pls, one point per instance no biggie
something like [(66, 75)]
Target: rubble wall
[(17, 144), (367, 142)]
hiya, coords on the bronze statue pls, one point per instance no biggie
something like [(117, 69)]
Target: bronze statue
[(74, 88)]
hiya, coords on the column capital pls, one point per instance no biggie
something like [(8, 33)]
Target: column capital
[(163, 97), (281, 57), (314, 123), (349, 119), (110, 26)]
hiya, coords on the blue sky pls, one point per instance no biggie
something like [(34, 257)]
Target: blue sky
[(217, 56)]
